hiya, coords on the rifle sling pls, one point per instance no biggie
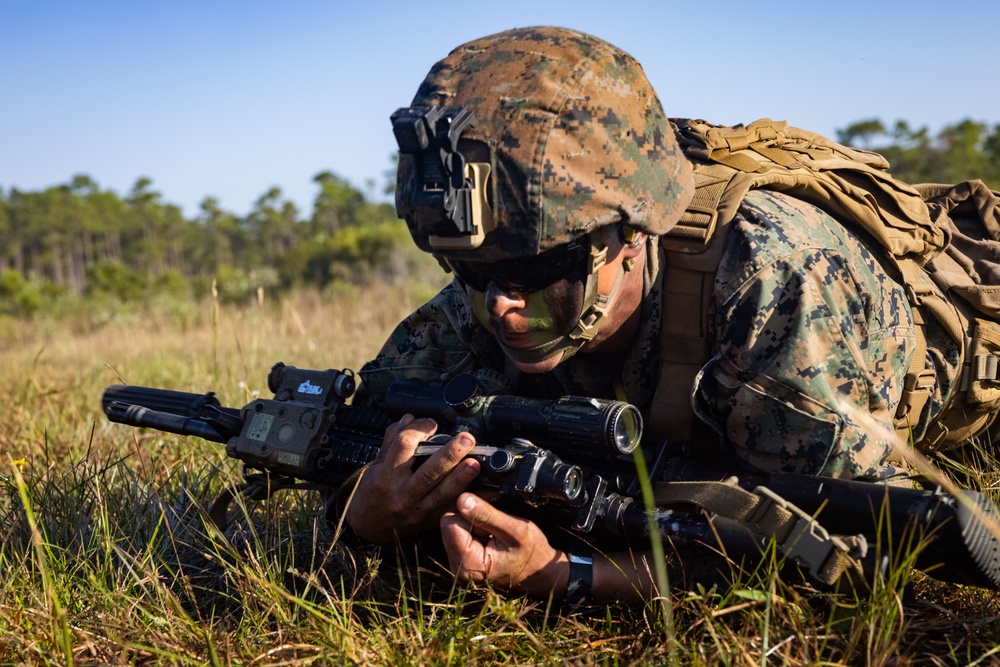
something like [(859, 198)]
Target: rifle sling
[(797, 534)]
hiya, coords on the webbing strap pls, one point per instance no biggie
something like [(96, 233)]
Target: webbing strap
[(797, 534), (693, 251), (684, 349), (918, 385), (719, 190)]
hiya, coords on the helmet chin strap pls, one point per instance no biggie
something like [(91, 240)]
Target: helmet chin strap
[(595, 306)]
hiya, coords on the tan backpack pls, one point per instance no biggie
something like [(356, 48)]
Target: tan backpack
[(943, 240)]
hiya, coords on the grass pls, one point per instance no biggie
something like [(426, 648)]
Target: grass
[(107, 557)]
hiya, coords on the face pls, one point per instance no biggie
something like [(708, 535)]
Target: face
[(525, 317), (523, 321)]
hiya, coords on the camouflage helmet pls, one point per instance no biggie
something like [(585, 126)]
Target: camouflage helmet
[(576, 140)]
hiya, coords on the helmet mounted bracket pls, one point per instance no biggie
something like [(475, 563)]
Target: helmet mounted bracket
[(448, 194)]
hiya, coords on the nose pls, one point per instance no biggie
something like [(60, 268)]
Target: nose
[(501, 300)]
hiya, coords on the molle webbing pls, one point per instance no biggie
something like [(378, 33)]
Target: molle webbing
[(684, 347), (852, 186)]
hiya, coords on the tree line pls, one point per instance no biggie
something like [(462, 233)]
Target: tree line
[(81, 241), (958, 152)]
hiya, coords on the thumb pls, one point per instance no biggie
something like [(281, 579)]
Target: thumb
[(484, 518)]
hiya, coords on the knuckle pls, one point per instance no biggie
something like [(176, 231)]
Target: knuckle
[(410, 438), (440, 497), (520, 531), (378, 484), (469, 576), (395, 514), (408, 433), (455, 452), (427, 477)]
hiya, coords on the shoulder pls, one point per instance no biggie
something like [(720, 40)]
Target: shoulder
[(778, 237), (772, 226)]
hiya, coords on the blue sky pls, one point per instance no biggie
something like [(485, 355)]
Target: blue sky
[(231, 98)]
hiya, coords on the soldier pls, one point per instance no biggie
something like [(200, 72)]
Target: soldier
[(560, 288)]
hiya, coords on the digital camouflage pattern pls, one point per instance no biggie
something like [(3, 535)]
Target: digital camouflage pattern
[(577, 139), (811, 342)]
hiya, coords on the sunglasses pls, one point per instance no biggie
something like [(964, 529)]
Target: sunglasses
[(569, 261)]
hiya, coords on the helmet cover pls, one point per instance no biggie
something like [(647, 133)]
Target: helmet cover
[(577, 140)]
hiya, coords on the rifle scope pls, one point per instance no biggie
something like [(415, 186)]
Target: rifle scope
[(589, 427)]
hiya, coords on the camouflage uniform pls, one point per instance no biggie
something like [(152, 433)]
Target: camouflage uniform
[(811, 342), (810, 336)]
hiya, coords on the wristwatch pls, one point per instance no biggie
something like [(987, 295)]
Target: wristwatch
[(581, 577)]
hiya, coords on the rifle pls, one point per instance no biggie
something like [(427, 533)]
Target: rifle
[(572, 457)]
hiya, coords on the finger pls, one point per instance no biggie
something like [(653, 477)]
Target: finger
[(401, 440), (508, 529), (466, 555), (441, 464), (489, 495), (391, 433), (442, 497)]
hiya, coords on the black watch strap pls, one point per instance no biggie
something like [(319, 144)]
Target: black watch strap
[(581, 577)]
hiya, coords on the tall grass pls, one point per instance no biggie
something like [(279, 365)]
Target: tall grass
[(107, 557)]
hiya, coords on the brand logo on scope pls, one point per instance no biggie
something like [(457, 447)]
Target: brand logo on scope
[(309, 388)]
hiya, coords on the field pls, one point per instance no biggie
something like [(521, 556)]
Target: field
[(107, 557)]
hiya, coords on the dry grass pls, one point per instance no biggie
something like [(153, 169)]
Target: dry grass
[(107, 558)]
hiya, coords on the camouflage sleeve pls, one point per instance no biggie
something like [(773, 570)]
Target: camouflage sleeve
[(813, 340), (439, 339)]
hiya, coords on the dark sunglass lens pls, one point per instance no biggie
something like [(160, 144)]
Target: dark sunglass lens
[(529, 274)]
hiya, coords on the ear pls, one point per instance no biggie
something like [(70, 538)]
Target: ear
[(635, 242)]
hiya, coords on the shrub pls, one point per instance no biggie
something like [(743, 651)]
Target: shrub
[(18, 295), (110, 278)]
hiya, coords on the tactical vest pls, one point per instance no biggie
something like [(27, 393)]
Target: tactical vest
[(942, 242)]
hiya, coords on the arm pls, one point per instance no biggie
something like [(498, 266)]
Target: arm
[(813, 339)]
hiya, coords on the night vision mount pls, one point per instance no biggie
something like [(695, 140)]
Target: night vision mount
[(449, 194)]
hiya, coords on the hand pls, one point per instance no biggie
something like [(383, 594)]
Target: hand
[(394, 500), (487, 545)]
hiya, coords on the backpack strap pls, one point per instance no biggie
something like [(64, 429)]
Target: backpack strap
[(684, 348), (693, 250), (719, 189), (852, 186)]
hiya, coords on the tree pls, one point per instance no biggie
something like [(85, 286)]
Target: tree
[(863, 131), (6, 233), (144, 206), (336, 205), (273, 222), (960, 151), (224, 233)]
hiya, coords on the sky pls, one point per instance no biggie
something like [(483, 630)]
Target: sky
[(229, 99)]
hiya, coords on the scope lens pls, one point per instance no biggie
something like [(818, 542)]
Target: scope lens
[(573, 483), (626, 428)]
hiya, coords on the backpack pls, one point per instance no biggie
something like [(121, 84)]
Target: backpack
[(943, 241)]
